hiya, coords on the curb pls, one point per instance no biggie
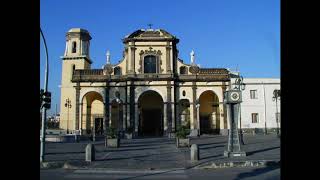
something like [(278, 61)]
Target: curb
[(252, 163), (64, 165), (51, 165), (208, 165)]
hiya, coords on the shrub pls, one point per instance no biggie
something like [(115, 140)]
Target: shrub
[(182, 132), (130, 130), (112, 133)]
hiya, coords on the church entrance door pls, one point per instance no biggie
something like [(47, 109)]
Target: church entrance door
[(209, 113), (150, 114), (99, 126)]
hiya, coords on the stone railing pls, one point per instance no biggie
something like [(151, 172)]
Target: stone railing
[(88, 72), (96, 75), (213, 71), (88, 75)]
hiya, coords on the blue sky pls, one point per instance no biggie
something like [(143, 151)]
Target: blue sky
[(223, 33)]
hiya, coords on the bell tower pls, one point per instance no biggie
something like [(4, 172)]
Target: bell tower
[(76, 56), (77, 42)]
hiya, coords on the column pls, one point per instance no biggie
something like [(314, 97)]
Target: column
[(88, 118), (222, 114), (81, 118), (132, 105), (136, 114), (169, 107), (133, 58), (131, 62), (165, 120), (173, 117), (175, 106), (128, 105), (195, 131), (168, 65), (76, 125), (198, 118), (192, 127), (124, 117), (106, 108), (110, 115)]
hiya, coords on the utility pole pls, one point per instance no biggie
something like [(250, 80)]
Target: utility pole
[(265, 110), (44, 109), (276, 95)]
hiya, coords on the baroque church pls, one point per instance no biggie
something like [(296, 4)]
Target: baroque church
[(150, 92)]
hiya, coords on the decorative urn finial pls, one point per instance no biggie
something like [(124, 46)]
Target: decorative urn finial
[(192, 57), (108, 57)]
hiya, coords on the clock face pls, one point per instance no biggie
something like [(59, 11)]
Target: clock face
[(235, 96)]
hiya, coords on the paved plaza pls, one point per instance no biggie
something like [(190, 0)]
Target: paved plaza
[(162, 153), (271, 172)]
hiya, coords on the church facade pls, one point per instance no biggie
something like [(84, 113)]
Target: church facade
[(151, 91)]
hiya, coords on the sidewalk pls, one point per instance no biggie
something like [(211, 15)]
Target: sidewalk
[(161, 153)]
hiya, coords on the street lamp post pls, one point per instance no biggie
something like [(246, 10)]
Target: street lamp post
[(118, 100), (68, 106), (44, 110), (276, 95), (198, 117), (240, 86)]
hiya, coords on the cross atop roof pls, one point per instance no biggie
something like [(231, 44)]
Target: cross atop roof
[(150, 25)]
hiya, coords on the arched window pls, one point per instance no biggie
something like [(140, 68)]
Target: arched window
[(183, 70), (117, 70), (74, 47), (150, 64)]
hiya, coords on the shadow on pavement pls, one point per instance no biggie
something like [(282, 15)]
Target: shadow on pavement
[(143, 144), (121, 150), (208, 157), (211, 147), (53, 153), (138, 156), (261, 150), (151, 174), (257, 172), (204, 144)]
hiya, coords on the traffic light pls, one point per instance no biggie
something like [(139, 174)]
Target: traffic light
[(47, 100), (41, 96)]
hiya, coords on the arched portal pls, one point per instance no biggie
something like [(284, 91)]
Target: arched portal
[(150, 105), (92, 113), (184, 113), (209, 113)]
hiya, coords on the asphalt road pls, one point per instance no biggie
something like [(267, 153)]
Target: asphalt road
[(267, 173)]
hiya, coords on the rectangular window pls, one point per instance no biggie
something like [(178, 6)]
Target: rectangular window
[(254, 117), (278, 117), (253, 94)]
